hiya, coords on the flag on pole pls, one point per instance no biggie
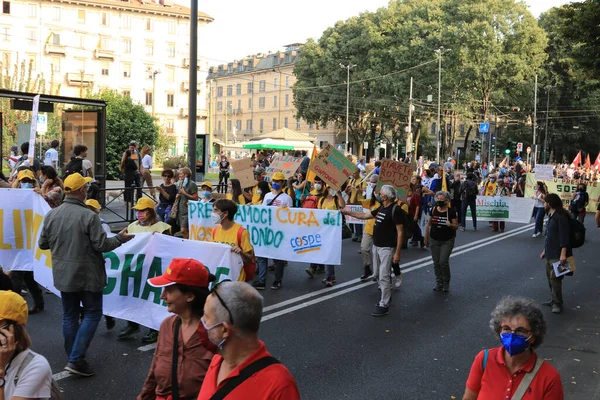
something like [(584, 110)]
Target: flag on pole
[(597, 163), (577, 160), (310, 175), (587, 164)]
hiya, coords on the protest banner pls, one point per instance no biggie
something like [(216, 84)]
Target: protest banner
[(293, 234), (355, 208), (397, 174), (566, 188), (331, 166), (544, 172), (127, 295), (244, 172), (502, 208), (287, 165)]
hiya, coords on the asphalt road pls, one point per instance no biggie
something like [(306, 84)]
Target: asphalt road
[(422, 350)]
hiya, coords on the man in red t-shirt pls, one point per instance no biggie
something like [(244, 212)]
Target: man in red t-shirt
[(243, 369)]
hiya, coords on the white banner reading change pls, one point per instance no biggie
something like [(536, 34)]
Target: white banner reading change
[(293, 234)]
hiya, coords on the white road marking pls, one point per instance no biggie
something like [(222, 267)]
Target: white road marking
[(147, 347), (469, 248), (402, 266), (61, 375)]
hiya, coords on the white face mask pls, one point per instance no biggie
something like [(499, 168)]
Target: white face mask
[(318, 187), (332, 192), (259, 192), (215, 218)]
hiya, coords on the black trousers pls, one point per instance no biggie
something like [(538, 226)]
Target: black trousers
[(18, 278)]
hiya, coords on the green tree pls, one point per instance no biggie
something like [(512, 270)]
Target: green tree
[(125, 121)]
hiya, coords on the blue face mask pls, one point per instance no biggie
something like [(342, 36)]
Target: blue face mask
[(513, 343), (206, 194), (185, 181), (26, 185), (276, 186)]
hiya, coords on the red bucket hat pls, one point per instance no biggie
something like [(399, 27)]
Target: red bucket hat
[(184, 271)]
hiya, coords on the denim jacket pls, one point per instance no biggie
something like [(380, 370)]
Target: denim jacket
[(557, 236)]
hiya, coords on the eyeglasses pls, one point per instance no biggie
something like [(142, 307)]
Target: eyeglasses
[(518, 331), (214, 291)]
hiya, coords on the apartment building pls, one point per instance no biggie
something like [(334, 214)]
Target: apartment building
[(134, 46), (252, 96)]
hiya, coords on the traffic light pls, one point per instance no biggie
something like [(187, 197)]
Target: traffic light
[(509, 146), (475, 146), (377, 140)]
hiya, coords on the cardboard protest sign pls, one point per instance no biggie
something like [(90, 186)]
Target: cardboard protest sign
[(544, 172), (287, 165), (244, 172), (331, 166), (397, 174)]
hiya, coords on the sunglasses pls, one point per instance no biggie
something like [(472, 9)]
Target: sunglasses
[(214, 291)]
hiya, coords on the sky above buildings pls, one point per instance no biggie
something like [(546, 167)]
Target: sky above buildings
[(243, 27)]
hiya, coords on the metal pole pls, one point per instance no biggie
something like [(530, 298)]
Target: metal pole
[(226, 125), (546, 129), (192, 102), (153, 93), (439, 117), (347, 106), (534, 159), (409, 135)]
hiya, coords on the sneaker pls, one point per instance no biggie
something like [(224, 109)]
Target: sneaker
[(110, 322), (380, 311), (81, 368), (375, 278), (536, 234), (329, 282), (438, 287), (548, 303), (556, 309), (151, 337), (258, 285), (398, 281), (310, 271), (129, 331), (24, 292), (367, 274), (276, 285)]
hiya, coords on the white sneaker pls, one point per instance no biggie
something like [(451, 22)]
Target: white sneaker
[(398, 281), (536, 235)]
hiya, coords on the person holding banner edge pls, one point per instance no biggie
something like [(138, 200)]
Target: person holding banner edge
[(331, 201)]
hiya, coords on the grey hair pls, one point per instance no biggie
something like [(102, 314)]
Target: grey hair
[(245, 304), (510, 307), (389, 191), (444, 194), (374, 178)]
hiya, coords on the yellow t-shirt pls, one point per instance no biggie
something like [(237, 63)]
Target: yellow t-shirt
[(327, 204), (241, 198), (356, 195), (490, 188), (160, 227), (370, 225), (230, 237), (256, 197)]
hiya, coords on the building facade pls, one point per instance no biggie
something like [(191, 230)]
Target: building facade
[(138, 47), (252, 96)]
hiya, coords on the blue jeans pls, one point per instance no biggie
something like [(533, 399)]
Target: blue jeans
[(358, 230), (329, 271), (540, 212), (262, 269), (79, 336)]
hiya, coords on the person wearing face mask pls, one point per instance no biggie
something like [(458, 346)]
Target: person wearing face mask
[(301, 188), (74, 235), (319, 189), (332, 200), (539, 207), (206, 192), (501, 191), (234, 192), (185, 290), (232, 315), (366, 244), (25, 180), (188, 190), (354, 190), (388, 235), (233, 234), (275, 198), (52, 187), (520, 326), (251, 195), (489, 188), (439, 237)]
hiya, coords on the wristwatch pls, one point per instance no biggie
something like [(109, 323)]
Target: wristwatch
[(2, 381)]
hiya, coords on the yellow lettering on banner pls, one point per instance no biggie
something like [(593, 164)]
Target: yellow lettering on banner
[(201, 233), (28, 220), (3, 246), (287, 216), (18, 228), (37, 223)]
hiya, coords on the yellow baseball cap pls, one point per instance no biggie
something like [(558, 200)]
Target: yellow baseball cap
[(278, 176), (75, 182), (93, 203), (207, 184), (13, 307), (25, 174), (144, 203)]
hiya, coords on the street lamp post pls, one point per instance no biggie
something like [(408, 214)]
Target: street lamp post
[(347, 101), (546, 129), (154, 73), (439, 52)]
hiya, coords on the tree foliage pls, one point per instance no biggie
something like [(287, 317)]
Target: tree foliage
[(125, 121)]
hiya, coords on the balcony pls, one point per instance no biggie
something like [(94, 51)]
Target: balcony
[(79, 79), (200, 113), (186, 64), (58, 49), (103, 54), (185, 87)]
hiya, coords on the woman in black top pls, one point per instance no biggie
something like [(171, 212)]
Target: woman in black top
[(439, 236), (223, 173), (129, 168), (166, 198)]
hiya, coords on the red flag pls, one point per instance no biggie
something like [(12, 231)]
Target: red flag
[(577, 160), (587, 161), (597, 163)]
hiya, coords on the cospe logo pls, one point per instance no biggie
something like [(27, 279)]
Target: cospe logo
[(304, 244)]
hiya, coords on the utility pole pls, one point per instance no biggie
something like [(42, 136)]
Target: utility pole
[(210, 119), (438, 127), (409, 133), (154, 73), (546, 129), (192, 99), (347, 101), (533, 162), (226, 109)]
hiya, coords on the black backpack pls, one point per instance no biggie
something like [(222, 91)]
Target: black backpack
[(471, 190), (576, 233), (74, 166)]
